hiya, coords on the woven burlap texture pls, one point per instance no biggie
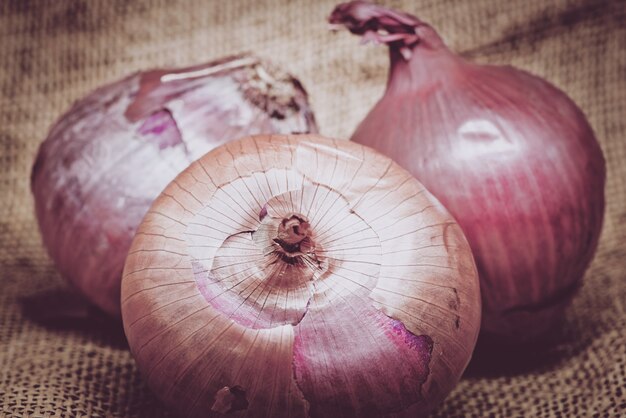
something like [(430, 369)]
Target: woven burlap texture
[(53, 52)]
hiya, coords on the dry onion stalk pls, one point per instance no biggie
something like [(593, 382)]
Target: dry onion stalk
[(299, 276), (114, 151)]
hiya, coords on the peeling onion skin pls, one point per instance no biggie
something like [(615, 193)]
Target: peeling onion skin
[(508, 154), (114, 151), (299, 276)]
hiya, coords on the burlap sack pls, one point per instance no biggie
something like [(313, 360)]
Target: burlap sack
[(54, 51)]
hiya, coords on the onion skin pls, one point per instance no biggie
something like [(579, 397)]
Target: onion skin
[(114, 151), (508, 154), (299, 276)]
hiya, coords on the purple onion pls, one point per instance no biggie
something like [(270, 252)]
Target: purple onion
[(509, 155), (112, 153)]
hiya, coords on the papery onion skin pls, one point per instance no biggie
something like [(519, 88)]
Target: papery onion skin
[(114, 151), (508, 154), (299, 276)]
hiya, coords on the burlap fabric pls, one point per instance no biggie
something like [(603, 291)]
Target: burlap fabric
[(52, 52)]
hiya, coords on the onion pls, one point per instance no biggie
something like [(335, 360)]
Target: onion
[(106, 159), (298, 276), (508, 154)]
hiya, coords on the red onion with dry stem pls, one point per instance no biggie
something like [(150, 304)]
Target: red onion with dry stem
[(106, 159), (298, 276), (508, 154)]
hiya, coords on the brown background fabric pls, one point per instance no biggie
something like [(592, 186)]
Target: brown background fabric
[(55, 51)]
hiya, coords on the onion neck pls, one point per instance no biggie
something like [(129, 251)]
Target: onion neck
[(419, 57), (423, 70)]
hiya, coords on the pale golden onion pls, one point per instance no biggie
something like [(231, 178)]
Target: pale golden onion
[(295, 276)]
